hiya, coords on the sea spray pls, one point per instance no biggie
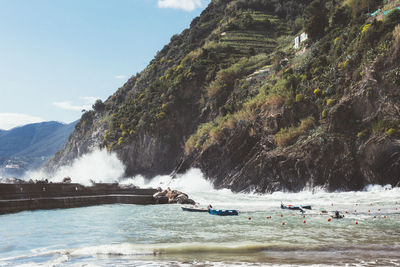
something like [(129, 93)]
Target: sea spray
[(191, 181), (98, 166)]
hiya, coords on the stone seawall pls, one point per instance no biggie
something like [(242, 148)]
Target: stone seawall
[(21, 197)]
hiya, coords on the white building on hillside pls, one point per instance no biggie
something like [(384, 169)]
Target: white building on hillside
[(299, 39)]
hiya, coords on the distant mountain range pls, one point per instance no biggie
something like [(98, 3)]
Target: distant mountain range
[(29, 146)]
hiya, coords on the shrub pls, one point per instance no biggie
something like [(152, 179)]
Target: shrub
[(120, 140), (299, 98), (330, 102), (225, 78), (335, 42), (364, 133), (177, 68), (391, 131), (382, 126), (394, 75), (198, 138), (160, 115), (365, 28), (323, 114), (317, 92), (191, 56), (343, 65), (287, 136)]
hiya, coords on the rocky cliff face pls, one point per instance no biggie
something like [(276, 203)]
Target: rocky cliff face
[(233, 97), (337, 154)]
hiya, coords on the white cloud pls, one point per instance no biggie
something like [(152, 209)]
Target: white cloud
[(89, 99), (187, 5), (11, 120), (86, 103), (121, 77), (69, 106)]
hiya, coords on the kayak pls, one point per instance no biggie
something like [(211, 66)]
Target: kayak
[(223, 212), (194, 209)]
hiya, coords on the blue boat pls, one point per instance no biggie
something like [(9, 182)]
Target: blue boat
[(223, 212)]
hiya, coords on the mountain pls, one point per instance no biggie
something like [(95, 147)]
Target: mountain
[(232, 96), (29, 144)]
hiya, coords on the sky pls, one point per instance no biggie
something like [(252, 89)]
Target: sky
[(57, 57)]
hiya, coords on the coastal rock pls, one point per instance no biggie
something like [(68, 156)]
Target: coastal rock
[(161, 200), (184, 199), (172, 197)]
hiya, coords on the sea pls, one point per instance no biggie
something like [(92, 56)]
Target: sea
[(262, 234)]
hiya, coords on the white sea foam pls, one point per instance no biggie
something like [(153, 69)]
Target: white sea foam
[(192, 181), (99, 166)]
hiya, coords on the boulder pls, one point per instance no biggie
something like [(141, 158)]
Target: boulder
[(161, 200), (172, 197)]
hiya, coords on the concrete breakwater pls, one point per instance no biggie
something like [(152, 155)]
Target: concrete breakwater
[(21, 197)]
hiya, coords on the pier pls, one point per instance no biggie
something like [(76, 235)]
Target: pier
[(22, 197)]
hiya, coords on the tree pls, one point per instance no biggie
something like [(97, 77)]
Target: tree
[(247, 21), (363, 6), (341, 16), (315, 27), (98, 105), (318, 19)]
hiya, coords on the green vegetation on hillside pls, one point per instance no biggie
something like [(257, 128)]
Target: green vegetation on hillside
[(230, 40), (237, 62)]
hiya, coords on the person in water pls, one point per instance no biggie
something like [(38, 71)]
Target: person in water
[(337, 215), (209, 207)]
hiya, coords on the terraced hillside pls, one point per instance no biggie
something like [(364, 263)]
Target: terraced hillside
[(232, 96)]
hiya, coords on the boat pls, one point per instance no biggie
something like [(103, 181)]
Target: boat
[(292, 207), (194, 209), (223, 212)]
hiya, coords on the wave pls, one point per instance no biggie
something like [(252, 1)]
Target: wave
[(98, 166), (128, 249), (102, 166)]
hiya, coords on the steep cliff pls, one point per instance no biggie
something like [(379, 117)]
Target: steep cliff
[(231, 96)]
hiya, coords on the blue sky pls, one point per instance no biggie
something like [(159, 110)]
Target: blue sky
[(58, 56)]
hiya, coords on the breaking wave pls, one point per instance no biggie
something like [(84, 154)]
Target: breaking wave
[(98, 166)]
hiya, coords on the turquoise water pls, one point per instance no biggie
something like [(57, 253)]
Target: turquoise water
[(164, 235)]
